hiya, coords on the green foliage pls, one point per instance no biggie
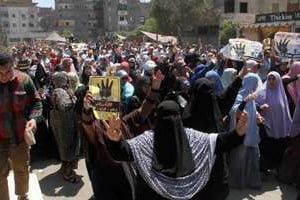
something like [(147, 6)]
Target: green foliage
[(150, 26), (228, 30), (175, 16), (66, 33)]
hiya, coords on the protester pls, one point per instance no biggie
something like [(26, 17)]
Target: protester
[(274, 109), (107, 176), (205, 113), (244, 168), (63, 122), (20, 109), (171, 162), (228, 77)]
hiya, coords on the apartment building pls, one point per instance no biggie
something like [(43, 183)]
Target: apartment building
[(19, 21)]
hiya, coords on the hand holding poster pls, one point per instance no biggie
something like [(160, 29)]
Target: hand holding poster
[(287, 44), (240, 48), (107, 96)]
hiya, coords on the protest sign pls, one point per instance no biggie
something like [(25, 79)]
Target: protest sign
[(287, 44), (240, 48), (106, 96)]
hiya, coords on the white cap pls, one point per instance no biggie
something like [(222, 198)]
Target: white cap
[(149, 65), (251, 63)]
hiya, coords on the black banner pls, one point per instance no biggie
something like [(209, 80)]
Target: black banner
[(277, 17)]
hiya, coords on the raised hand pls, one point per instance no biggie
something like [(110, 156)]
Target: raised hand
[(242, 124), (282, 46), (259, 119), (113, 128), (244, 71), (87, 100), (157, 78), (105, 89)]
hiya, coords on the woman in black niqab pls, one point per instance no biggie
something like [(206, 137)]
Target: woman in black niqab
[(172, 154)]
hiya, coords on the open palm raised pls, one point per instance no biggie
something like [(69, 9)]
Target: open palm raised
[(113, 128)]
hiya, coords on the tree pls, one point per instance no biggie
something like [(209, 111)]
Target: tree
[(175, 16), (150, 25), (228, 30), (67, 33)]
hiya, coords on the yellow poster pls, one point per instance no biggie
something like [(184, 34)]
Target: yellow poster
[(106, 96)]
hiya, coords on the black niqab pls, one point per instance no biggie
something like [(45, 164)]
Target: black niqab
[(172, 154), (203, 111)]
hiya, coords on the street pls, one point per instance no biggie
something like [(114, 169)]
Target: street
[(53, 187)]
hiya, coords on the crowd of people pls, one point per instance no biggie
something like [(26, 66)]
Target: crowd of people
[(192, 123)]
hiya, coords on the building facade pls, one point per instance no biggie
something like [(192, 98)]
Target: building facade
[(124, 15), (259, 19), (15, 3), (83, 18), (19, 21), (91, 19)]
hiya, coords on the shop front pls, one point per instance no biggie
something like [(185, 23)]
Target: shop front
[(266, 25)]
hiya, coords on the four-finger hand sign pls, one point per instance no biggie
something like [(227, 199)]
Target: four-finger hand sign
[(105, 88), (240, 49), (282, 45)]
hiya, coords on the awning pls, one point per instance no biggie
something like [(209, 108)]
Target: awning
[(120, 37), (54, 36), (270, 24), (160, 38)]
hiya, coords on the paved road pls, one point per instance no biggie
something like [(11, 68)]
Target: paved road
[(53, 187)]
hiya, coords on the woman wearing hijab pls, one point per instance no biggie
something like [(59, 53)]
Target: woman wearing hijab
[(278, 121), (214, 76), (244, 160), (228, 77), (292, 83), (289, 171), (63, 122), (205, 113), (108, 179), (172, 162), (85, 75)]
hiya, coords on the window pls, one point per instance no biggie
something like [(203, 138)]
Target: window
[(14, 25), (13, 16), (6, 25), (293, 6), (229, 6), (23, 25), (67, 23), (31, 25), (4, 14), (32, 16), (275, 7), (23, 17), (243, 7), (122, 19)]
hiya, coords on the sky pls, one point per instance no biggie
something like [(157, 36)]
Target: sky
[(44, 3), (50, 3)]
